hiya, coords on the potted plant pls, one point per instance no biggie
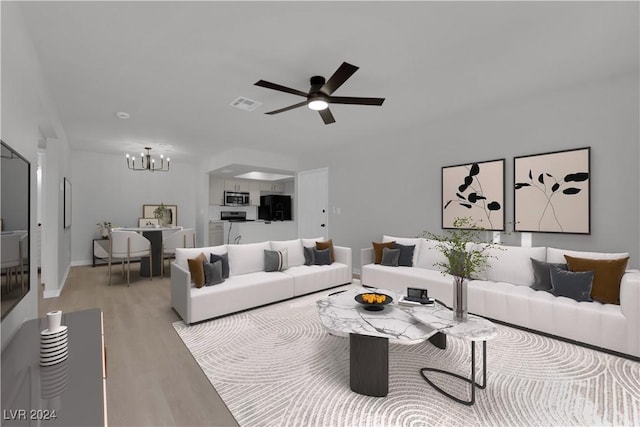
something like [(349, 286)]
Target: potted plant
[(163, 214), (103, 228), (466, 255)]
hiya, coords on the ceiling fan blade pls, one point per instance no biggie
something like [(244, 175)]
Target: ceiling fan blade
[(341, 75), (327, 117), (290, 107), (281, 88), (355, 100)]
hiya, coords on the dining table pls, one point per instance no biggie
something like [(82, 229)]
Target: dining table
[(154, 235)]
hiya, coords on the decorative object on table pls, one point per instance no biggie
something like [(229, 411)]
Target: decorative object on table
[(466, 256), (552, 192), (54, 347), (67, 203), (167, 215), (148, 222), (372, 301), (103, 228), (474, 190), (148, 163)]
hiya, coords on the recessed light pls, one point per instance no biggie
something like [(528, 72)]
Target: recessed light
[(122, 115)]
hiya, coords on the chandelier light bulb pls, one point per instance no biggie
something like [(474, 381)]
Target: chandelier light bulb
[(147, 162)]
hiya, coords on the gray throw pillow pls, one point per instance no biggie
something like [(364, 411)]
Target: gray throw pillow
[(571, 284), (321, 256), (213, 273), (225, 263), (276, 260), (390, 257), (406, 254), (309, 259), (541, 274)]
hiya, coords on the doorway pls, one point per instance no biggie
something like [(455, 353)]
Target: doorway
[(313, 203)]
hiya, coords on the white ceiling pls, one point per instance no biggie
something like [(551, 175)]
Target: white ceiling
[(176, 66)]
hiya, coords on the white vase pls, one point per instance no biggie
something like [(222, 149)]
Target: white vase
[(460, 299), (54, 319)]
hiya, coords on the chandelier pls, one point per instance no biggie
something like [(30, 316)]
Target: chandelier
[(147, 163)]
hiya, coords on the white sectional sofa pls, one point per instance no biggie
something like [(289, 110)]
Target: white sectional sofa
[(506, 295), (248, 284)]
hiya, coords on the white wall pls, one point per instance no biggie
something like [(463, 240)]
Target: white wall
[(26, 110), (392, 184), (105, 190)]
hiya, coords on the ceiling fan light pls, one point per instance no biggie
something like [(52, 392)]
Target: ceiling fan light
[(318, 104)]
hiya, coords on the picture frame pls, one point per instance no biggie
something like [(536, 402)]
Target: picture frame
[(147, 212), (148, 222), (552, 192), (67, 203), (474, 190)]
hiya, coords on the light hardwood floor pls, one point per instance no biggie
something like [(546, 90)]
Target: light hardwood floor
[(152, 379)]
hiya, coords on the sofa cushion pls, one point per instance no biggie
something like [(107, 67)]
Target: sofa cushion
[(311, 242), (213, 273), (407, 241), (294, 249), (327, 244), (429, 255), (196, 268), (390, 257), (377, 250), (182, 254), (571, 284), (247, 258), (321, 256), (557, 255), (607, 276), (224, 262), (541, 274), (512, 264), (405, 258), (276, 260)]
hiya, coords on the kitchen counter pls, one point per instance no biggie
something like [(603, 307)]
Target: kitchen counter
[(258, 231)]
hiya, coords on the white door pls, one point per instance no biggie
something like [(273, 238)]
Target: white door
[(313, 201)]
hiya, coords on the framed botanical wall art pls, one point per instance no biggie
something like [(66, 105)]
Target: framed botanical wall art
[(169, 217), (552, 192), (474, 190)]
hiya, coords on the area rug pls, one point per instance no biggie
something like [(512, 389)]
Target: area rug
[(277, 366)]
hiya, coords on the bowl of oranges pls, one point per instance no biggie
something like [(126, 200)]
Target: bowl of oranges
[(373, 301)]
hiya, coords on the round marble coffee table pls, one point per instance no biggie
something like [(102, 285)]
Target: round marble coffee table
[(370, 332)]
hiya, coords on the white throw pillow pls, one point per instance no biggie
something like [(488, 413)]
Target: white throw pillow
[(557, 255), (512, 264), (293, 247), (429, 255), (406, 241), (247, 258)]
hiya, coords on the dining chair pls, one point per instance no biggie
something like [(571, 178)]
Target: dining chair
[(125, 245), (10, 256), (185, 238)]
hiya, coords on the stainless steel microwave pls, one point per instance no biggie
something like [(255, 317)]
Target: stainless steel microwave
[(236, 198)]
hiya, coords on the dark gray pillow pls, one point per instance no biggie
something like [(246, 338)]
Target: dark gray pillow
[(321, 256), (224, 258), (541, 275), (406, 254), (276, 260), (571, 284), (390, 257), (213, 273), (308, 255)]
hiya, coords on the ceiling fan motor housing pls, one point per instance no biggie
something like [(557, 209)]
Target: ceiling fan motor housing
[(316, 83)]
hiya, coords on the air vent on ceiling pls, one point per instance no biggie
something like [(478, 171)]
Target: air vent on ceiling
[(245, 103)]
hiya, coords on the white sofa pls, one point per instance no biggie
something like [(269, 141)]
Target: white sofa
[(248, 284), (506, 295)]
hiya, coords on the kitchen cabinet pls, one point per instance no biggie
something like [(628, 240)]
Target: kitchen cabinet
[(259, 231), (216, 190), (216, 233), (254, 193), (236, 185), (272, 187)]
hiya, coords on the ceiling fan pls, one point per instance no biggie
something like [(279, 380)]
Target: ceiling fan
[(319, 96)]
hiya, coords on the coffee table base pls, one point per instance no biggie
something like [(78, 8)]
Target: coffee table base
[(471, 380), (369, 365)]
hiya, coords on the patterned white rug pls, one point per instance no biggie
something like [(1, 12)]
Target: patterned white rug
[(277, 366)]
